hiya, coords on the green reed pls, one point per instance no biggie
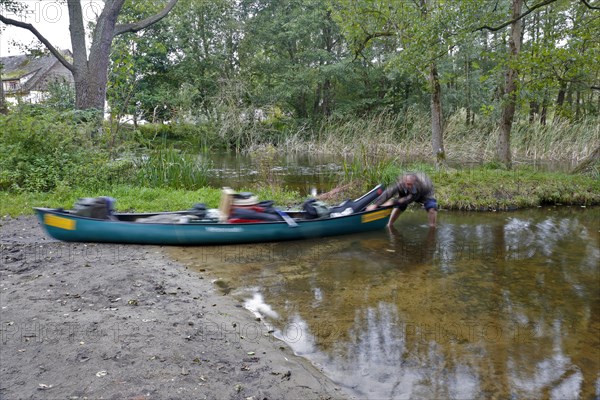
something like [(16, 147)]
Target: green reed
[(169, 167)]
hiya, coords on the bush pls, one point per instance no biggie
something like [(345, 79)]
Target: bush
[(41, 148), (61, 95)]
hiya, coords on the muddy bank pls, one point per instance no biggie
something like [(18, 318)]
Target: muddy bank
[(115, 321)]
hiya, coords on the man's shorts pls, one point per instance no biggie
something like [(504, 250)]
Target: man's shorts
[(429, 203)]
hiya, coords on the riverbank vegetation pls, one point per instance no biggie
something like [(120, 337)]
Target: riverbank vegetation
[(482, 188), (483, 97), (49, 158)]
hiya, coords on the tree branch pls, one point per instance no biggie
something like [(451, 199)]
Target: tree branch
[(368, 37), (526, 13), (138, 26), (374, 35), (41, 38), (588, 5)]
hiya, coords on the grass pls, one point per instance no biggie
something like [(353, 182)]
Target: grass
[(131, 198), (498, 189), (481, 188)]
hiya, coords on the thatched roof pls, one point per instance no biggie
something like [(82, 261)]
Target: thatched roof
[(34, 67)]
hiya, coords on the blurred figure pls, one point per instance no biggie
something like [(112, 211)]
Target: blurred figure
[(409, 188)]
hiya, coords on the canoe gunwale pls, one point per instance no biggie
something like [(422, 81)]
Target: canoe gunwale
[(68, 213)]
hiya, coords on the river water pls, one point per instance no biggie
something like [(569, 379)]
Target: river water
[(493, 305), (301, 172)]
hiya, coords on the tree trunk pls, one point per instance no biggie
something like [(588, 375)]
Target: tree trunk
[(301, 106), (562, 92), (3, 108), (90, 90), (560, 101), (437, 126), (468, 90), (328, 41), (91, 75), (329, 99), (510, 87), (322, 104), (578, 99), (534, 109), (468, 117), (569, 102), (544, 114)]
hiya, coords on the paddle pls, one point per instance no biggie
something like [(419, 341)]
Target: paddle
[(287, 218)]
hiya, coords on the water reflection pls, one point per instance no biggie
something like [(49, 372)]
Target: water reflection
[(486, 305), (301, 172)]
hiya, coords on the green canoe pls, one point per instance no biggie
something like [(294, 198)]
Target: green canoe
[(127, 228)]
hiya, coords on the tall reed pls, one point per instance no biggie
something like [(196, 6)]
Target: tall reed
[(172, 168), (408, 137)]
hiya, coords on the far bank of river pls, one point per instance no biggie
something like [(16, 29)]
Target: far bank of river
[(289, 180)]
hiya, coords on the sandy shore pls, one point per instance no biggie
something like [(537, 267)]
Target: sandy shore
[(113, 321)]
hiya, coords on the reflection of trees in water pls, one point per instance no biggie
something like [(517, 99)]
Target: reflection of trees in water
[(389, 355), (553, 291), (502, 309)]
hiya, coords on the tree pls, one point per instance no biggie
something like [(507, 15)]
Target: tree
[(205, 59), (293, 56), (420, 35), (510, 85), (90, 69), (177, 67), (558, 57)]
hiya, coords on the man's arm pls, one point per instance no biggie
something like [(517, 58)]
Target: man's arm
[(406, 200), (390, 192)]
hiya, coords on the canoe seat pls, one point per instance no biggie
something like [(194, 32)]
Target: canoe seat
[(226, 203)]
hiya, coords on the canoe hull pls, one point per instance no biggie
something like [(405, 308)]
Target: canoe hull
[(72, 228)]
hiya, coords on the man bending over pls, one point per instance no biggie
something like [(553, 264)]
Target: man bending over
[(410, 187)]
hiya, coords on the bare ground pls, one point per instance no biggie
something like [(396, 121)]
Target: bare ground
[(113, 321)]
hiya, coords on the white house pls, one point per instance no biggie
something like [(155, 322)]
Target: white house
[(27, 77)]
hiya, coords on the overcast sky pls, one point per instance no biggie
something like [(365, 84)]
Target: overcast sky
[(51, 19)]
